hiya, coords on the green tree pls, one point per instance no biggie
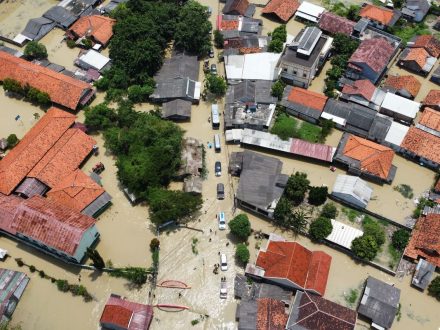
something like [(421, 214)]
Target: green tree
[(137, 93), (285, 127), (329, 211), (365, 247), (219, 41), (278, 89), (12, 140), (240, 226), (193, 29), (62, 285), (35, 50), (344, 45), (318, 195), (280, 33), (282, 212), (374, 229), (298, 222), (96, 258), (327, 127), (216, 84), (275, 46), (171, 205), (320, 228), (100, 117), (11, 85), (400, 239), (434, 288), (296, 187), (154, 244), (242, 253)]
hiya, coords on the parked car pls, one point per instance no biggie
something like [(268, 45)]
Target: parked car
[(209, 11), (220, 191), (213, 69), (218, 168), (221, 220), (223, 262), (211, 53)]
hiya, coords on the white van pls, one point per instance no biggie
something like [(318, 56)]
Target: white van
[(223, 262), (221, 221)]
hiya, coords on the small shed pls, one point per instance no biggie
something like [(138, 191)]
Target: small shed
[(352, 190), (423, 274), (93, 60)]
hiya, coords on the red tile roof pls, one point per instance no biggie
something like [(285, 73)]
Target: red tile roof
[(437, 186), (227, 25), (431, 119), (32, 148), (418, 55), (50, 223), (422, 144), (76, 191), (375, 52), (271, 314), (307, 98), (433, 98), (306, 269), (314, 312), (430, 43), (374, 158), (284, 9), (425, 240), (99, 27), (126, 314), (64, 157), (62, 89), (364, 88), (375, 13), (8, 207), (408, 83), (333, 24)]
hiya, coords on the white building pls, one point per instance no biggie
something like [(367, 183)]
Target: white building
[(343, 234), (259, 66), (309, 12), (395, 135), (352, 190), (399, 108), (92, 60)]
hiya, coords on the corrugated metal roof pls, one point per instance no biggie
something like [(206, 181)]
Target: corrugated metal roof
[(343, 234)]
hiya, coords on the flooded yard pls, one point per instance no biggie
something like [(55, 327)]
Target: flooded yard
[(57, 49)]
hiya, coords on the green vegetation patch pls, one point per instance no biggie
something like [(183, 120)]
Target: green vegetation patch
[(405, 190), (287, 127)]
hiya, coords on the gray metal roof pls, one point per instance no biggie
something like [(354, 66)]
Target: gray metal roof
[(423, 274), (94, 208), (174, 88), (379, 302), (37, 28), (251, 91), (291, 54), (379, 128), (61, 16), (31, 187), (176, 108)]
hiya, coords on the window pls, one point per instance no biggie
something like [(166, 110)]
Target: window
[(294, 72), (304, 75)]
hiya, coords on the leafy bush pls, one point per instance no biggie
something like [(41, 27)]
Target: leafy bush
[(296, 187), (216, 84), (62, 285), (434, 288), (71, 43), (405, 190), (35, 50), (365, 247), (240, 226), (11, 85), (154, 244), (373, 229), (32, 268), (329, 211), (242, 253), (278, 89), (87, 43), (285, 127), (135, 275), (320, 228), (318, 195), (421, 205), (219, 41), (42, 274), (137, 93), (400, 239), (12, 140), (279, 37)]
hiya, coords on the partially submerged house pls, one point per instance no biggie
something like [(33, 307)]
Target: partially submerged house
[(304, 104), (291, 265), (370, 59), (399, 108), (423, 274), (91, 59), (366, 158), (308, 11), (233, 27), (12, 285), (178, 79), (95, 27), (37, 28), (283, 9), (363, 92), (122, 314), (343, 235), (192, 159), (261, 182), (395, 135), (177, 110), (312, 312), (79, 192), (416, 10), (428, 42), (332, 24), (248, 67), (304, 57), (435, 77), (407, 85), (239, 7), (422, 147), (379, 303), (247, 44), (62, 17), (432, 100), (379, 17), (63, 90), (352, 190), (429, 122), (417, 60)]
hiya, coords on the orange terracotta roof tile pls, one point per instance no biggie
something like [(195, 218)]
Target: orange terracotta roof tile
[(431, 119), (116, 315), (374, 158), (99, 27), (249, 50), (229, 25), (284, 9), (307, 98), (430, 43), (364, 88), (51, 223), (375, 13), (425, 240), (63, 90), (294, 262), (76, 191), (375, 52), (432, 99), (64, 157), (418, 55), (422, 144), (32, 148), (271, 314), (333, 24), (409, 83)]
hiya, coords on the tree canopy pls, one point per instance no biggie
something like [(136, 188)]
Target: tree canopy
[(240, 226), (329, 211), (279, 37), (434, 288), (320, 228), (296, 187), (318, 195), (216, 84), (35, 50), (242, 253), (278, 89), (365, 247), (400, 239)]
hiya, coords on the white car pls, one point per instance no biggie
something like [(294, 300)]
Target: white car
[(223, 262), (221, 221)]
